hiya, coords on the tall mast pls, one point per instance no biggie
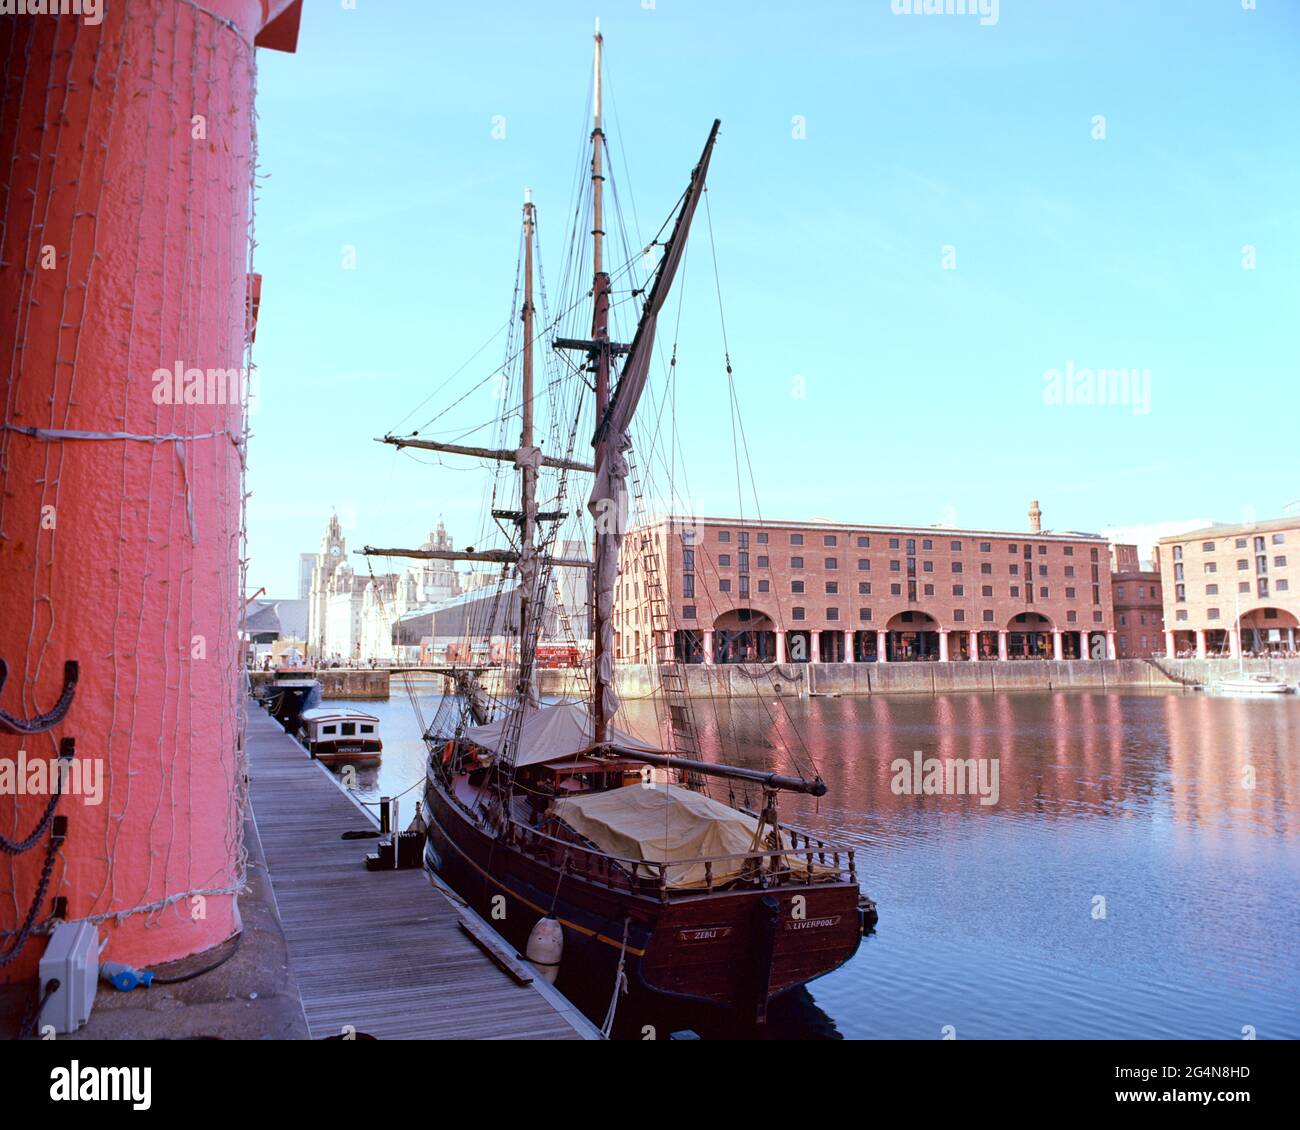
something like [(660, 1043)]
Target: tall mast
[(603, 665), (528, 463), (597, 180), (526, 436), (614, 409)]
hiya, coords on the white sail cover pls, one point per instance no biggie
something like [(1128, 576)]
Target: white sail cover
[(671, 824), (549, 734)]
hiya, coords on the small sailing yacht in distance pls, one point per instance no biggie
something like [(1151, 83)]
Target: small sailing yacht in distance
[(1256, 683)]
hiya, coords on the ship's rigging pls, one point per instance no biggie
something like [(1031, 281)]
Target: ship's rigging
[(542, 804), (593, 377)]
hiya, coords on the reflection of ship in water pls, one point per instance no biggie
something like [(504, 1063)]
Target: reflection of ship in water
[(795, 1015), (362, 780)]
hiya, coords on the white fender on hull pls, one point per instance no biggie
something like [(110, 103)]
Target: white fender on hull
[(546, 947)]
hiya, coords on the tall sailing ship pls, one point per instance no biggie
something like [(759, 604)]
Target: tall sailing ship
[(561, 825)]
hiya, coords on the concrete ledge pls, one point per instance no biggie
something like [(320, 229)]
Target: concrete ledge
[(253, 996), (753, 680)]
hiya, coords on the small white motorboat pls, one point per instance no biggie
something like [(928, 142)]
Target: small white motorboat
[(336, 734), (1253, 684)]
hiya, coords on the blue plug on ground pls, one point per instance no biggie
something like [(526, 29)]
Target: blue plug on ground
[(123, 977)]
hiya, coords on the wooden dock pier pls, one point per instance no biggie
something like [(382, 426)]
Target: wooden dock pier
[(378, 952)]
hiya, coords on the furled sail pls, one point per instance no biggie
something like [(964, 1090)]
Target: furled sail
[(669, 824), (606, 503)]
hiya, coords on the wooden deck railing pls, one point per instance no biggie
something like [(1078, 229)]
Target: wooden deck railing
[(768, 867)]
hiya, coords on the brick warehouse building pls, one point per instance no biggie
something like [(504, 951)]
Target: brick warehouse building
[(1139, 611), (1215, 574), (723, 590)]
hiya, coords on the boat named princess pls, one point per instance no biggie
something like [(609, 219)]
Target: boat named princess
[(339, 734)]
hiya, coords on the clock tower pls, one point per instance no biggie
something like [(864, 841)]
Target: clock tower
[(333, 555), (333, 548)]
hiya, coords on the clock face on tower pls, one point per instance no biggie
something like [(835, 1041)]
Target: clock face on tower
[(334, 551)]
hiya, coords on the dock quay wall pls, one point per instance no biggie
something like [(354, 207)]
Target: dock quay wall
[(743, 680), (353, 684), (343, 683)]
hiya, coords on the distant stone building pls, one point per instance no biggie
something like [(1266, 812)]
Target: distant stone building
[(343, 599), (338, 599), (426, 582), (473, 581), (379, 611), (1139, 611), (1229, 576), (328, 561), (482, 622), (352, 615)]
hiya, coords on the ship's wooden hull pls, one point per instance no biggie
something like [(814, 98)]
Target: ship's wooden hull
[(731, 950)]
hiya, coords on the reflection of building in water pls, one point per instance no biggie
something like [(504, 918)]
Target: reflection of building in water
[(1227, 577), (727, 590), (1229, 765)]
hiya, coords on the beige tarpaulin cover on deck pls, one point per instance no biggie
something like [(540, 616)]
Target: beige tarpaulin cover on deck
[(550, 733), (667, 823)]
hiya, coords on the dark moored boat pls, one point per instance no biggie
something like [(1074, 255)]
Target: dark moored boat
[(598, 851), (732, 928), (288, 696)]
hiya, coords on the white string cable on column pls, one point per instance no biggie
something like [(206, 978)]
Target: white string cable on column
[(172, 559)]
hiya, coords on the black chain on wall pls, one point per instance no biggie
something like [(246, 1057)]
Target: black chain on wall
[(47, 869), (9, 724), (67, 751), (56, 825)]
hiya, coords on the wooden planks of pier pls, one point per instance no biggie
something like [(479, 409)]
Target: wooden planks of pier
[(377, 952)]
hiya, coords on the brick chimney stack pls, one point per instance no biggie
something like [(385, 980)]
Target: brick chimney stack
[(1035, 518)]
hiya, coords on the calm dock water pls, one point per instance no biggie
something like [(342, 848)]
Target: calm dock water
[(989, 915)]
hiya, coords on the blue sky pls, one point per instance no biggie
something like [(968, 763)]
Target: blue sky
[(924, 386)]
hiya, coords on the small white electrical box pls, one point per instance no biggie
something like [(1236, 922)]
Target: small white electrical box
[(72, 959)]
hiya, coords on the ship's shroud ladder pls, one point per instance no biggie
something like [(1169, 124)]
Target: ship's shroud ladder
[(680, 718)]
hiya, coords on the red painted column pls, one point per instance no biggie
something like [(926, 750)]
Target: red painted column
[(126, 148)]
